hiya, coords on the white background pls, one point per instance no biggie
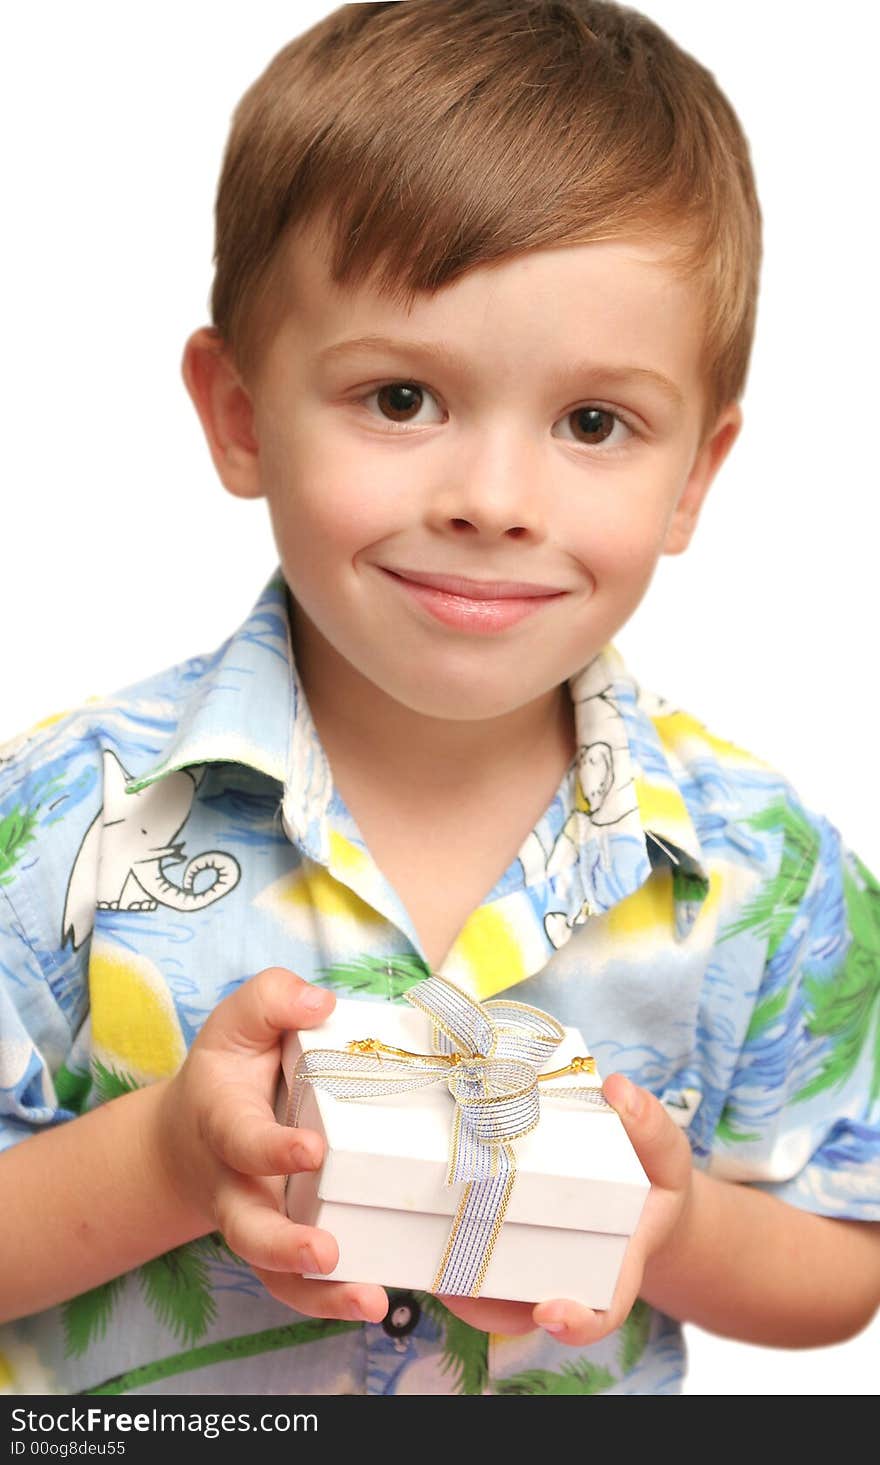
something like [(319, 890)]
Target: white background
[(117, 536)]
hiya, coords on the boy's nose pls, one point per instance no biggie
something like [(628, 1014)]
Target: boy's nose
[(496, 490)]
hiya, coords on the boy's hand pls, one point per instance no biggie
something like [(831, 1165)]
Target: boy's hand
[(226, 1155), (665, 1154)]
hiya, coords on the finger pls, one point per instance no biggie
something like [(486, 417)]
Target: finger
[(251, 1019), (571, 1323), (241, 1129), (576, 1324), (247, 1213), (491, 1314), (359, 1303), (662, 1147)]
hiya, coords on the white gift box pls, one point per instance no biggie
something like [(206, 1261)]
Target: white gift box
[(576, 1199)]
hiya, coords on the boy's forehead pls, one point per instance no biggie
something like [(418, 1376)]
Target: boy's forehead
[(619, 296)]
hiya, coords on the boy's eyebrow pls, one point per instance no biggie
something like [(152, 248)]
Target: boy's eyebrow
[(436, 351)]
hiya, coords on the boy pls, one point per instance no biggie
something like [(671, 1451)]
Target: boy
[(549, 213)]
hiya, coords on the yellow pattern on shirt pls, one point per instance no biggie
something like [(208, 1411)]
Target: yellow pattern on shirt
[(489, 946), (134, 1023)]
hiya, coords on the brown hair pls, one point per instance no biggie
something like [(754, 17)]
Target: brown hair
[(437, 135)]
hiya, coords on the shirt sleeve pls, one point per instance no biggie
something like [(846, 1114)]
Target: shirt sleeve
[(802, 1117), (48, 784)]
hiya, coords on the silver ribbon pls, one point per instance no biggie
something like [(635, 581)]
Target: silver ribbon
[(498, 1048)]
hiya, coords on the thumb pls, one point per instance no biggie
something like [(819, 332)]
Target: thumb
[(661, 1145), (253, 1016)]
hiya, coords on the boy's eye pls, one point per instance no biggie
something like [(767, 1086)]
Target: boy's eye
[(400, 402), (595, 425)]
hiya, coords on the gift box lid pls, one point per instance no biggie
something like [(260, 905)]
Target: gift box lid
[(577, 1169)]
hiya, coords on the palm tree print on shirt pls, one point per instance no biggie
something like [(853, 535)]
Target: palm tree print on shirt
[(839, 1003)]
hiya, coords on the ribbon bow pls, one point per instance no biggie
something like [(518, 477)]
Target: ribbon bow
[(489, 1054)]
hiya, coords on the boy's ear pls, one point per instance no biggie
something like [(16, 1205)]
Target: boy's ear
[(705, 465), (225, 411)]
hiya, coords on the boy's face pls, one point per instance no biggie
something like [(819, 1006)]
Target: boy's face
[(537, 445)]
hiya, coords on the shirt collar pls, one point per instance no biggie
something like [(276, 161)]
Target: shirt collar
[(627, 780), (245, 704), (236, 705)]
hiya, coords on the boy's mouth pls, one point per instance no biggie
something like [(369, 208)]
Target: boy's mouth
[(473, 605), (476, 589)]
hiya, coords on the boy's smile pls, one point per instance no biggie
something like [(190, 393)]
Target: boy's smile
[(536, 423), (474, 605)]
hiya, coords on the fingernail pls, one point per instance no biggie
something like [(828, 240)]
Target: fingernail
[(307, 1260), (358, 1314), (302, 1158), (553, 1325), (313, 999), (629, 1100)]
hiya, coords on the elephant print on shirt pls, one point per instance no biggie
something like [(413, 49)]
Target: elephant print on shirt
[(608, 802), (123, 849)]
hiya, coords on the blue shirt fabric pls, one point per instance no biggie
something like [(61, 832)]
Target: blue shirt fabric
[(709, 936)]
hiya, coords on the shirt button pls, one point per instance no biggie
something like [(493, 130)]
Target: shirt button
[(402, 1316)]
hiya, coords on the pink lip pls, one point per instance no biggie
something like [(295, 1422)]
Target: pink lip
[(478, 589), (468, 612)]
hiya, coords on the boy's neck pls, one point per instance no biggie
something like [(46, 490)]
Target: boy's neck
[(363, 728)]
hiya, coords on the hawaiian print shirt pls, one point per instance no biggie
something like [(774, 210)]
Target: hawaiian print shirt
[(707, 934)]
